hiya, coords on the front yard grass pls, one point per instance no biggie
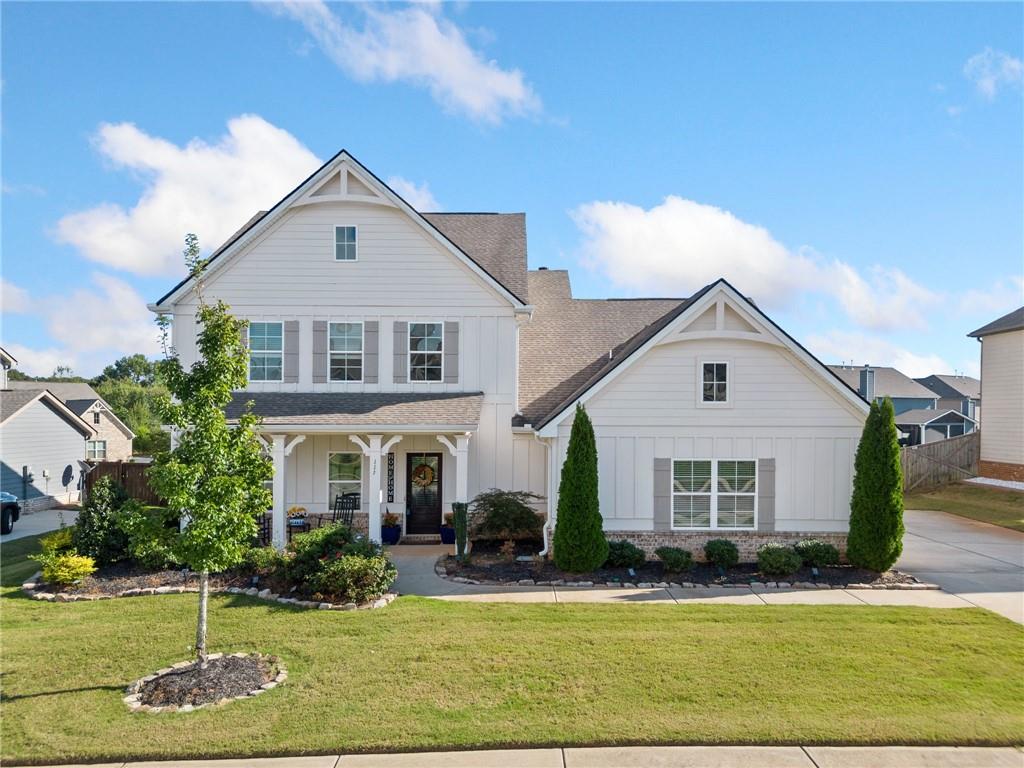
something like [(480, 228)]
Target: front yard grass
[(998, 506), (424, 674)]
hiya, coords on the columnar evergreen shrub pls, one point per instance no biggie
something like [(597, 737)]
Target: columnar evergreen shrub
[(579, 540), (97, 533), (460, 519), (876, 509)]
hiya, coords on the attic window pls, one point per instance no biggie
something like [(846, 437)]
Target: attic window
[(344, 243), (715, 382), (95, 417)]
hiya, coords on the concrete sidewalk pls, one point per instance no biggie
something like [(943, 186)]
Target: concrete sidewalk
[(640, 757)]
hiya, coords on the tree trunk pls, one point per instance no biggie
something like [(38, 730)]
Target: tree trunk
[(204, 598)]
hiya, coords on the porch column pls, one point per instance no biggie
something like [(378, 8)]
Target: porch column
[(280, 449), (374, 452), (460, 451)]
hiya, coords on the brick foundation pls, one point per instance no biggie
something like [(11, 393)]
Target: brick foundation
[(1000, 470), (746, 542)]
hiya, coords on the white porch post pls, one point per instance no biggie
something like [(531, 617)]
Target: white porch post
[(460, 451), (374, 451), (279, 452)]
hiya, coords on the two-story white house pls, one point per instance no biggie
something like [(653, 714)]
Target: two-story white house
[(413, 359)]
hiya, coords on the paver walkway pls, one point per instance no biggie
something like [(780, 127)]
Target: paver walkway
[(639, 757)]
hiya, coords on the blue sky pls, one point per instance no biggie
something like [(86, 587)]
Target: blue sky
[(857, 169)]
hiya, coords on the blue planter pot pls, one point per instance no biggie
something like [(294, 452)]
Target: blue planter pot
[(390, 534), (447, 534)]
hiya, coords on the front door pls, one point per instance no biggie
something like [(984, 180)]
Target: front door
[(423, 492)]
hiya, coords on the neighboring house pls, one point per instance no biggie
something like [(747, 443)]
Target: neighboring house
[(875, 382), (412, 359), (959, 393), (928, 425), (1002, 371), (42, 447), (7, 361), (112, 440)]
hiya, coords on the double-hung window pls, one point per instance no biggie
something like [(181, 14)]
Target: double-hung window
[(96, 449), (344, 474), (266, 351), (715, 382), (714, 494), (345, 243), (426, 351), (346, 349)]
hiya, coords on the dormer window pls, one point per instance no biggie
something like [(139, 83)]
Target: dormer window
[(715, 382), (344, 243)]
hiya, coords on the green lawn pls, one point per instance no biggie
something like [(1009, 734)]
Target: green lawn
[(426, 674), (989, 505)]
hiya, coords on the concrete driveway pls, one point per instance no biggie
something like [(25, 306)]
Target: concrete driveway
[(40, 522), (981, 563)]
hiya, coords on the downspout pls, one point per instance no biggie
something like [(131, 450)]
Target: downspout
[(544, 530)]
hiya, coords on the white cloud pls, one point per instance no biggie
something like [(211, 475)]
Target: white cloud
[(681, 245), (1002, 296), (417, 45), (418, 196), (837, 347), (991, 70), (13, 299), (209, 189), (90, 328), (954, 110)]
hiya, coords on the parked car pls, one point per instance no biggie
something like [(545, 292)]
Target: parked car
[(9, 511)]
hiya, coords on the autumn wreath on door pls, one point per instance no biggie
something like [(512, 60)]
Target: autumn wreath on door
[(423, 475)]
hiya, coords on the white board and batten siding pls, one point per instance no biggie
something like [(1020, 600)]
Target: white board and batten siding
[(778, 409), (401, 275)]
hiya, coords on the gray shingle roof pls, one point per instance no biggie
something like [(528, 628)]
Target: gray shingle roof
[(1013, 321), (925, 415), (457, 409), (567, 342), (889, 382), (495, 241), (13, 400), (947, 385), (65, 390)]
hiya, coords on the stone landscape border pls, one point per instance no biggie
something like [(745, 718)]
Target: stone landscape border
[(37, 591), (440, 570), (134, 691)]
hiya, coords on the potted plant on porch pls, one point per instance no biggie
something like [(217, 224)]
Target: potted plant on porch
[(448, 529), (390, 528)]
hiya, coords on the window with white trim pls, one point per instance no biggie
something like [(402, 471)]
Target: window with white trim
[(346, 351), (715, 382), (96, 449), (426, 351), (345, 243), (266, 351), (714, 494), (344, 474), (95, 417)]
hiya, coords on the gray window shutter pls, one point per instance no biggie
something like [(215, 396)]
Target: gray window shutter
[(401, 350), (291, 351), (371, 351), (319, 351), (766, 495), (451, 353), (245, 337), (663, 494)]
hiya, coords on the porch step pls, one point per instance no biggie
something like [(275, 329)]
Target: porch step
[(420, 538)]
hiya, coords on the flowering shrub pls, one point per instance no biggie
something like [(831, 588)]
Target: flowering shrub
[(309, 549)]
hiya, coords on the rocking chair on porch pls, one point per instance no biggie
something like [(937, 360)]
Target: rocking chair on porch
[(344, 511)]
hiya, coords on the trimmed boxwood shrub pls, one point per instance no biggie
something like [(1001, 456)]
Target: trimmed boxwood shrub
[(354, 578), (778, 560), (817, 553), (308, 549), (624, 554), (721, 552), (579, 542), (674, 559)]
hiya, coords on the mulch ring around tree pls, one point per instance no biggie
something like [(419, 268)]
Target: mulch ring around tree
[(487, 564), (187, 685)]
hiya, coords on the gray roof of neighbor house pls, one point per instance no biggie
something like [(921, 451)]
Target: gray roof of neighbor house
[(13, 400), (566, 345), (889, 382), (948, 385), (927, 415), (457, 409), (67, 391), (1012, 321)]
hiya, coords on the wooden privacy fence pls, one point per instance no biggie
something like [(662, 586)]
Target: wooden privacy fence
[(941, 462), (131, 475)]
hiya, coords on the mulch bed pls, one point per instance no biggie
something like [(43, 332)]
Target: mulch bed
[(114, 579), (487, 564), (223, 678)]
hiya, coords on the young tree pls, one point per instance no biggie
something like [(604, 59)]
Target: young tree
[(875, 540), (214, 477), (579, 540)]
